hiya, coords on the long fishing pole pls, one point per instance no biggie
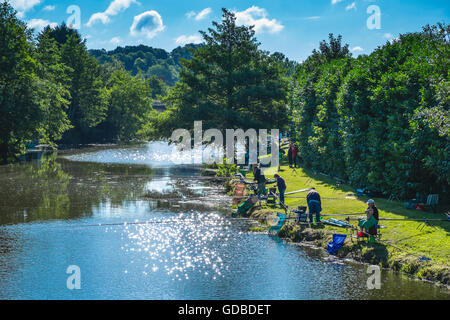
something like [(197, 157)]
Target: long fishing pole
[(421, 258), (169, 221)]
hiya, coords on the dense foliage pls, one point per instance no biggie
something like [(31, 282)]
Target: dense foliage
[(52, 90), (87, 106), (33, 93), (148, 61), (229, 83), (378, 121)]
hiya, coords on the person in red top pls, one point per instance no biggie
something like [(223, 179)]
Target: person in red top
[(294, 155)]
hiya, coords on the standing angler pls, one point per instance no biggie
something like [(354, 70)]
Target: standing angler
[(260, 179), (314, 205), (294, 155), (281, 184), (291, 146)]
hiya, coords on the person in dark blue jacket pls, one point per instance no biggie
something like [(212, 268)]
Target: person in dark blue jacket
[(260, 179), (314, 205), (281, 184)]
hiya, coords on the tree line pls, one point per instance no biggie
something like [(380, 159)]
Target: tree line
[(379, 121), (52, 90), (151, 62), (229, 83)]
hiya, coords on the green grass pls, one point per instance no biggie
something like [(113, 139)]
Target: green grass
[(432, 242)]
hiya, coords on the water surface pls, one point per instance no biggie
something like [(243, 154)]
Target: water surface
[(72, 211)]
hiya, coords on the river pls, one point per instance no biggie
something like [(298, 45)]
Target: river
[(98, 210)]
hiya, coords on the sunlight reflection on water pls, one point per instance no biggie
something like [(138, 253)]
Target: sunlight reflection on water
[(180, 245), (156, 154), (76, 213)]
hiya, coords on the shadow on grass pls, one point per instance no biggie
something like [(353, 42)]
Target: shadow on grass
[(395, 207)]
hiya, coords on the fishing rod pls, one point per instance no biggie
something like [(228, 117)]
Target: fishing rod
[(297, 197), (273, 223), (391, 219), (421, 258), (169, 221)]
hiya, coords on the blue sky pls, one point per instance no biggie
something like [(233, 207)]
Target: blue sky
[(294, 27)]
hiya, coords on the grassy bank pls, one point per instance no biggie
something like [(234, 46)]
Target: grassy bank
[(417, 240)]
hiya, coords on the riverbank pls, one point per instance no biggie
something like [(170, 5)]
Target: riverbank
[(402, 244)]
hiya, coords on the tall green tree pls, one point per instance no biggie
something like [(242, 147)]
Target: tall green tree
[(88, 105), (378, 121), (129, 105), (54, 89), (21, 106), (313, 100), (229, 83)]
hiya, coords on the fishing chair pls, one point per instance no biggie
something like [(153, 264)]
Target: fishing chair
[(371, 238)]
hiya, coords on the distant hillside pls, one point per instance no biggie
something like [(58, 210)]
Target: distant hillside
[(151, 61)]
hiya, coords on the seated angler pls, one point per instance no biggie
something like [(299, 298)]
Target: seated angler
[(370, 223)]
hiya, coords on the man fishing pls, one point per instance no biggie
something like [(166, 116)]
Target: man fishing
[(261, 179), (281, 184), (314, 205)]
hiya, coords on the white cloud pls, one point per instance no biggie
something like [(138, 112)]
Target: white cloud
[(113, 9), (356, 49), (148, 24), (313, 18), (183, 39), (49, 8), (388, 35), (351, 6), (115, 40), (39, 24), (190, 14), (255, 16), (335, 1), (23, 6), (203, 14)]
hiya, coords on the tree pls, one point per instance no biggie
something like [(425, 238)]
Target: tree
[(129, 105), (313, 101), (87, 106), (229, 83), (331, 50), (147, 60), (378, 121), (20, 106), (54, 89), (159, 87)]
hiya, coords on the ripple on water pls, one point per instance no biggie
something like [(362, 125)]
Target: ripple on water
[(180, 245)]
